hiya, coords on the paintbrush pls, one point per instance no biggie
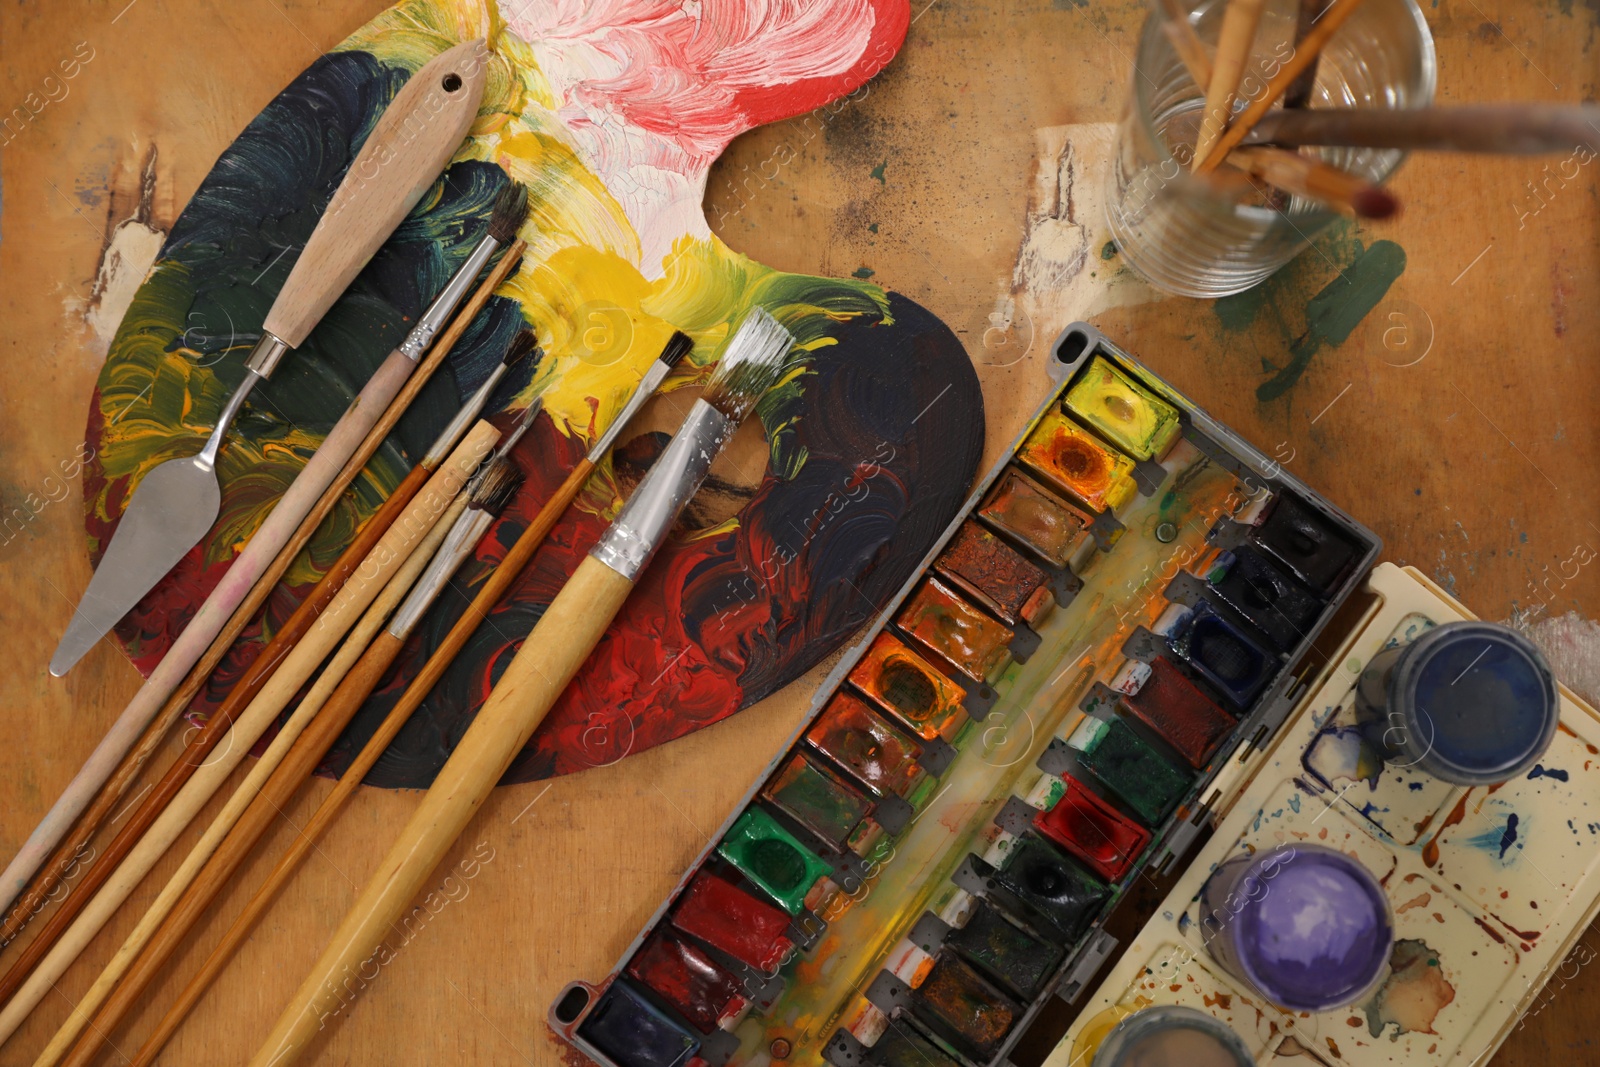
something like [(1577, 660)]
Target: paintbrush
[(176, 503), (1234, 41), (251, 577), (1308, 177), (386, 558), (182, 902), (566, 633), (196, 754), (1504, 129), (1304, 56), (488, 595), (509, 212)]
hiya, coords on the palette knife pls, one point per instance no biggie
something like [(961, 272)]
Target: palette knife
[(176, 503)]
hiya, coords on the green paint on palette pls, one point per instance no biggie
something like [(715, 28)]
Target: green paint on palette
[(818, 799), (1338, 309), (773, 859), (1126, 764), (1004, 951)]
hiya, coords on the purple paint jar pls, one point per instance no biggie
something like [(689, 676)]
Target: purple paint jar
[(1305, 927)]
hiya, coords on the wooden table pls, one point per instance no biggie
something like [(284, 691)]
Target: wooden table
[(1455, 420)]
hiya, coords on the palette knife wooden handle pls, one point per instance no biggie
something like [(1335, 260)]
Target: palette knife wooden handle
[(567, 632), (401, 158)]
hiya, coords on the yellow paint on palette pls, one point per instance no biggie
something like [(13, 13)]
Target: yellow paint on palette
[(1127, 413), (1076, 462)]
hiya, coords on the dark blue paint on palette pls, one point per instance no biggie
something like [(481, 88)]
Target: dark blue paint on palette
[(635, 1033), (1222, 654)]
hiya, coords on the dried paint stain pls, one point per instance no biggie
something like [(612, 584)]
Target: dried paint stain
[(1413, 995)]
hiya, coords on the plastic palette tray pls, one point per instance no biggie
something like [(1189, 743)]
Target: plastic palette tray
[(1491, 886)]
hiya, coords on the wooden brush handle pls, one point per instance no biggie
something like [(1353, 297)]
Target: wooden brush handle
[(342, 614), (567, 632), (263, 812), (350, 657), (1305, 54), (200, 744), (244, 589), (494, 587), (403, 155)]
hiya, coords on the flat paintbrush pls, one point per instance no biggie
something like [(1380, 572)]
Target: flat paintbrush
[(488, 595), (510, 209), (388, 556), (183, 902), (566, 633)]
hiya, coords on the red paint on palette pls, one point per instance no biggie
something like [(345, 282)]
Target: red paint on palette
[(703, 992), (1093, 830), (732, 921), (1174, 707)]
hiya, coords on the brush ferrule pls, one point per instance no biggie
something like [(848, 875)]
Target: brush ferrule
[(451, 436), (453, 551), (444, 305), (267, 354), (653, 377), (665, 490)]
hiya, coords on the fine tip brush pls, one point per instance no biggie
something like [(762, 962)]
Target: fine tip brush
[(570, 627), (115, 993), (250, 579), (495, 586), (247, 712)]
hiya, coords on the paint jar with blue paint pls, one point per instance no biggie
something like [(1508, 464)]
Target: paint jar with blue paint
[(1172, 1036), (1471, 703), (1305, 927)]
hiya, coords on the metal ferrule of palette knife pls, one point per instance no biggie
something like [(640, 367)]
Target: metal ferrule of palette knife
[(664, 491)]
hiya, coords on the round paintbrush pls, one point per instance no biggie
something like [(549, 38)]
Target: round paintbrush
[(558, 645), (176, 916), (510, 211)]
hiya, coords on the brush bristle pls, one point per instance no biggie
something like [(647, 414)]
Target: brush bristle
[(678, 345), (499, 484), (510, 211), (752, 362), (523, 345)]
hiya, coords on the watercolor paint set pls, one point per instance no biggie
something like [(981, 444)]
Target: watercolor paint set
[(1123, 605), (1488, 887)]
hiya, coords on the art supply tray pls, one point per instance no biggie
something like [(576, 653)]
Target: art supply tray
[(1125, 605), (1490, 886)]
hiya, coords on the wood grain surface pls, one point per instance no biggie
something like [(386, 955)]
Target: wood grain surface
[(1456, 419)]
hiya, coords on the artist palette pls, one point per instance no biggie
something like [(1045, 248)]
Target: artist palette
[(1489, 886), (1121, 605)]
